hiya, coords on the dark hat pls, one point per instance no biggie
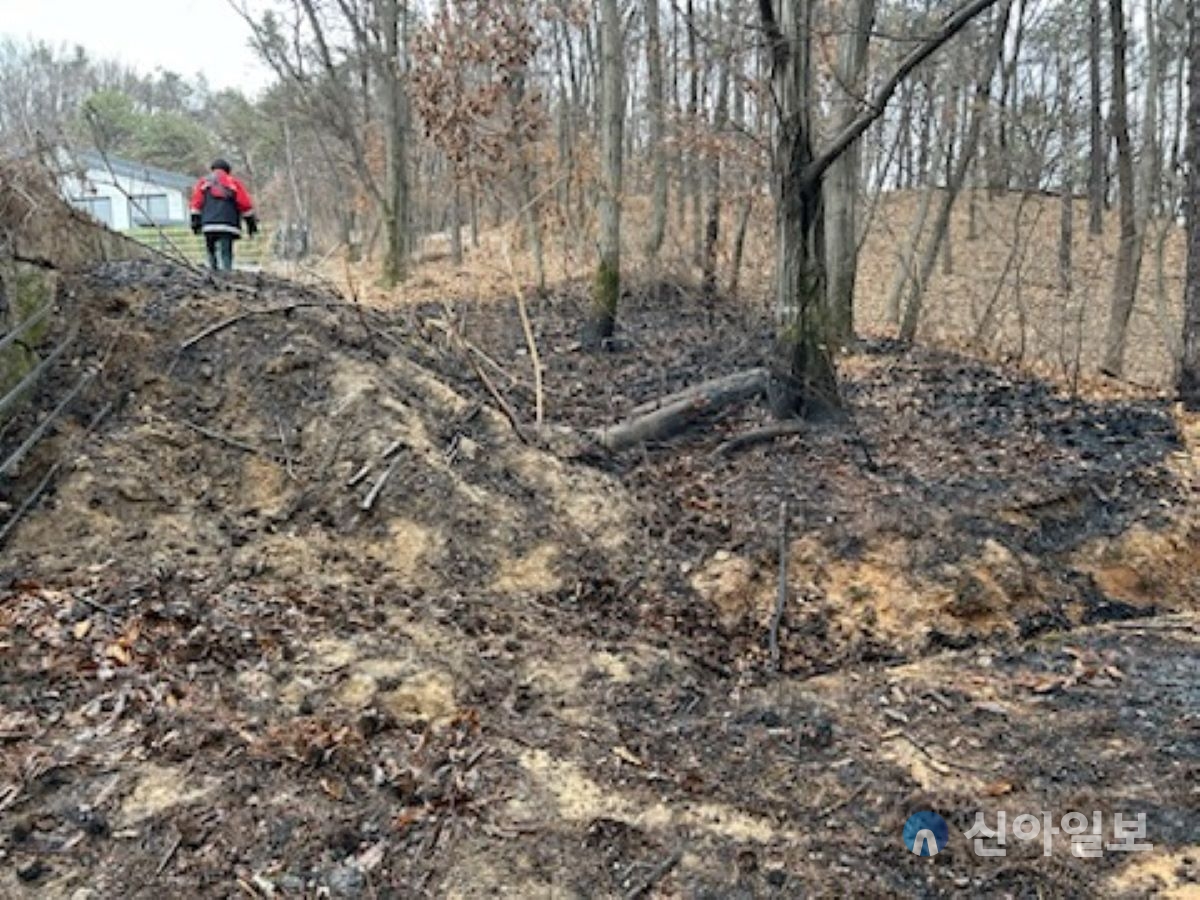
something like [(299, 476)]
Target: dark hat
[(221, 164)]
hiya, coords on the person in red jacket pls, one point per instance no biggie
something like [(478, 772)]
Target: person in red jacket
[(219, 204)]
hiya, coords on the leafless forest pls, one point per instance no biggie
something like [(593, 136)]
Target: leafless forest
[(655, 448)]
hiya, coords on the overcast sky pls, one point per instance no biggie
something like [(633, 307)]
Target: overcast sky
[(186, 36)]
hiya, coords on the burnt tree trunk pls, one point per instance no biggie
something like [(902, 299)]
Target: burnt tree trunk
[(805, 381), (1189, 370), (606, 292)]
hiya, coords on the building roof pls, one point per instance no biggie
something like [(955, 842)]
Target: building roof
[(130, 169)]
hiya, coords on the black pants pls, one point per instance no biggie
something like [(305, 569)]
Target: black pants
[(220, 250)]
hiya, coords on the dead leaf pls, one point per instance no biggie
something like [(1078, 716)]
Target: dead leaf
[(408, 818), (118, 654), (998, 789), (336, 791), (81, 629)]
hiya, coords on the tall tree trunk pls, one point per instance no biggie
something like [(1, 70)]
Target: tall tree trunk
[(842, 187), (1129, 253), (1189, 369), (905, 269), (1066, 124), (1150, 167), (655, 104), (395, 201), (474, 213), (695, 187), (745, 210), (912, 311), (1096, 191), (456, 222), (712, 223), (805, 380), (607, 289)]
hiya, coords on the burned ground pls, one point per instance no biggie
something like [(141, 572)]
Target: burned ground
[(546, 673)]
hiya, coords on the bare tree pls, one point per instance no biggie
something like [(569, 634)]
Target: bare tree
[(912, 311), (607, 290), (1096, 191), (1129, 254), (656, 107), (841, 210), (805, 381), (1189, 370), (390, 69)]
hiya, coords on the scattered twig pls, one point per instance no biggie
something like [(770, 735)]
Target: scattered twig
[(359, 475), (657, 874), (474, 348), (535, 359), (781, 598), (233, 442), (489, 385), (230, 321), (760, 436), (287, 457), (845, 801), (170, 854), (941, 765), (369, 500)]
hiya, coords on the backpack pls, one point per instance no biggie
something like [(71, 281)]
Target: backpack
[(215, 189)]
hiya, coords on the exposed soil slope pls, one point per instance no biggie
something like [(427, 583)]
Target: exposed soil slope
[(546, 673)]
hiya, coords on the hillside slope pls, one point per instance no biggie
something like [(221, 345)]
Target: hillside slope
[(303, 613)]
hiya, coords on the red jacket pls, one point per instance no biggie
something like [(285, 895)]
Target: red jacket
[(222, 202)]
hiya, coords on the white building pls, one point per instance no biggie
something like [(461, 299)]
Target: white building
[(124, 194)]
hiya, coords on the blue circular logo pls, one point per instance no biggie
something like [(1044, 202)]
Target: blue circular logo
[(926, 833)]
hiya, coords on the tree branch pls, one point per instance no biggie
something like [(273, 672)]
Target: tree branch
[(878, 104)]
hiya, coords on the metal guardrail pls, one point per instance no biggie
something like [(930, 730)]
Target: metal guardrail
[(33, 376), (40, 432), (38, 316)]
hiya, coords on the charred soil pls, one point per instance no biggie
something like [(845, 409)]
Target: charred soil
[(304, 612)]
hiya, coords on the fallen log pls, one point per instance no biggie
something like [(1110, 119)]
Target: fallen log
[(678, 411), (755, 380)]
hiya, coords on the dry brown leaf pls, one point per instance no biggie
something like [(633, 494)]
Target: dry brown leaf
[(336, 791), (118, 654), (81, 629)]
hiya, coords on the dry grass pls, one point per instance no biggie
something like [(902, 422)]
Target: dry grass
[(1003, 298)]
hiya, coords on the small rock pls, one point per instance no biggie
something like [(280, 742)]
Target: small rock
[(346, 881), (468, 449)]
